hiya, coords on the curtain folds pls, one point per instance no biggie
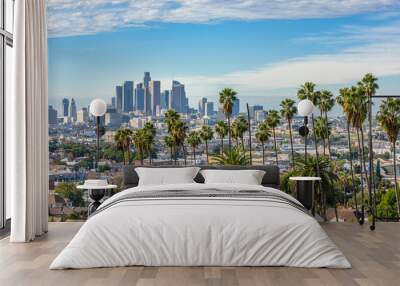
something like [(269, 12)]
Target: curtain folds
[(27, 123)]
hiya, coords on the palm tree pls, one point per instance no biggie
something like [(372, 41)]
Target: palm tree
[(227, 98), (221, 128), (194, 140), (239, 127), (262, 135), (171, 117), (139, 139), (179, 133), (389, 118), (356, 104), (206, 135), (369, 85), (234, 156), (123, 138), (288, 110), (169, 143), (151, 134), (344, 94), (322, 129), (273, 120), (326, 104)]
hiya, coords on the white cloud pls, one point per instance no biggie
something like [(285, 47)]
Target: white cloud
[(77, 17), (379, 53)]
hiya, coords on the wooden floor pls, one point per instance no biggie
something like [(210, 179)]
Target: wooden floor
[(375, 257)]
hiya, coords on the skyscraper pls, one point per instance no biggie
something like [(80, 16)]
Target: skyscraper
[(209, 109), (118, 95), (164, 101), (253, 109), (72, 110), (147, 96), (139, 97), (146, 79), (128, 96), (52, 115), (236, 107), (113, 102), (178, 100), (82, 115), (65, 107), (202, 106), (155, 92)]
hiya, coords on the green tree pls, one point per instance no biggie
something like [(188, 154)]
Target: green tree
[(140, 139), (70, 192), (227, 98), (206, 134), (169, 143), (273, 120), (150, 138), (234, 156), (262, 135), (389, 118), (239, 128), (194, 140), (288, 111), (123, 139), (326, 103), (221, 128)]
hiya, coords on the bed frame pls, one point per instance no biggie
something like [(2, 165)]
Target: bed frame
[(270, 179)]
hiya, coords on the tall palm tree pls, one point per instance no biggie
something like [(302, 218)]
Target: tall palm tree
[(344, 94), (179, 133), (194, 140), (206, 135), (357, 105), (326, 104), (139, 139), (273, 120), (169, 143), (288, 111), (227, 98), (389, 118), (171, 117), (322, 129), (151, 135), (240, 126), (263, 134), (123, 138), (369, 85), (221, 128)]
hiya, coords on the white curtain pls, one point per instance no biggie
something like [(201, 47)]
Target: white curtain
[(27, 148)]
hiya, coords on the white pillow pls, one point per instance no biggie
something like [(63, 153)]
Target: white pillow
[(166, 176), (248, 177)]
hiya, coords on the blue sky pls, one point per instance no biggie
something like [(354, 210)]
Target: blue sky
[(263, 50)]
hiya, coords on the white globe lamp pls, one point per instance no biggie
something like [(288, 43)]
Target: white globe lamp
[(305, 107), (98, 107)]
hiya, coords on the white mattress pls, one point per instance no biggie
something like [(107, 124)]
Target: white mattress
[(200, 232)]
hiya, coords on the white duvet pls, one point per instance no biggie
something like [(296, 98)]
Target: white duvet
[(202, 232)]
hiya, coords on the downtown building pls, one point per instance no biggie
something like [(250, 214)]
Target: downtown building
[(178, 100)]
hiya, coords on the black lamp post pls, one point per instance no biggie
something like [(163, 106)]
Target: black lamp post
[(98, 108), (305, 108)]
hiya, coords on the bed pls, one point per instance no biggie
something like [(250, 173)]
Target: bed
[(198, 224)]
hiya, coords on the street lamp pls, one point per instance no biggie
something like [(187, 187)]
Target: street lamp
[(305, 108), (98, 108)]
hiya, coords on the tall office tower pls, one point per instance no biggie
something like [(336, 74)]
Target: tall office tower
[(155, 93), (253, 109), (82, 115), (52, 113), (128, 96), (178, 100), (236, 107), (65, 107), (72, 110), (146, 79), (164, 101), (113, 102), (139, 97), (118, 95), (202, 106), (209, 109)]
